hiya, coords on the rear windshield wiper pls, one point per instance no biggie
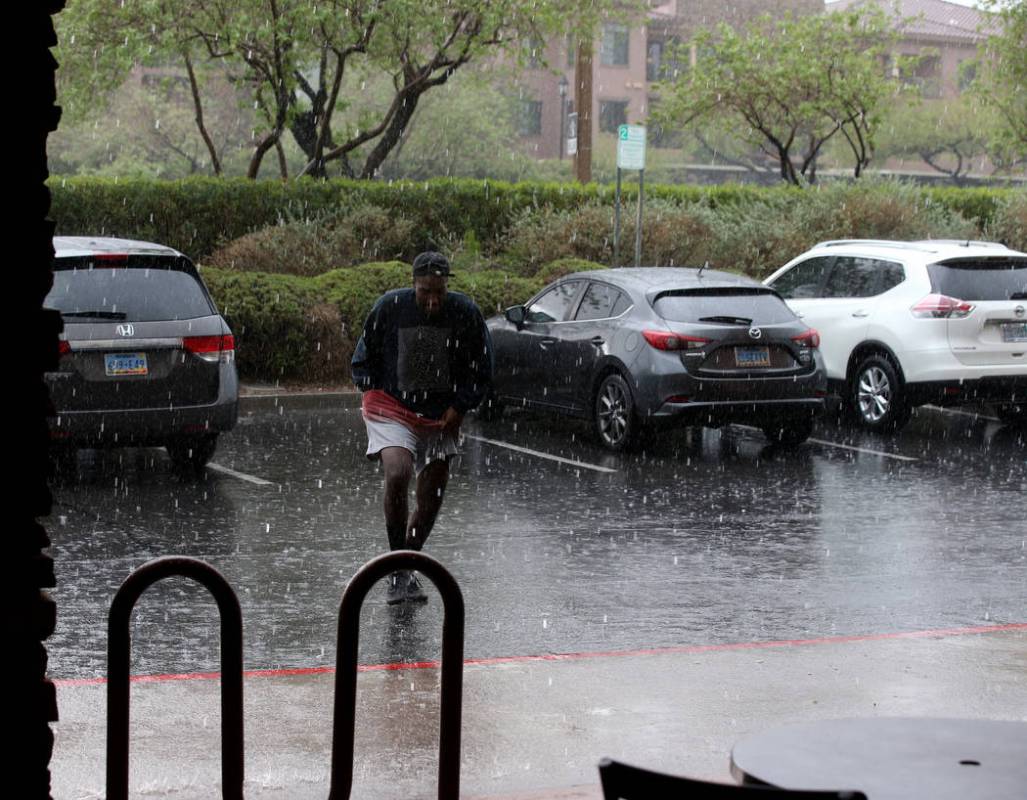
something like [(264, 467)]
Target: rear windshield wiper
[(1018, 296), (728, 320), (96, 314)]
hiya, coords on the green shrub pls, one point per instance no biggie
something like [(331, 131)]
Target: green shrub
[(759, 237), (283, 331), (1009, 222), (563, 266), (314, 246)]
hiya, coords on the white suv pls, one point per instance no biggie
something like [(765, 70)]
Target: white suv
[(908, 323)]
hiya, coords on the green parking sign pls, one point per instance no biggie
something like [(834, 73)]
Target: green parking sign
[(631, 147)]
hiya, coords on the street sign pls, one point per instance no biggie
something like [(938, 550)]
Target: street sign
[(631, 147)]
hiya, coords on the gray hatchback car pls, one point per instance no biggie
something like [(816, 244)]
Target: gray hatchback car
[(633, 349), (146, 359)]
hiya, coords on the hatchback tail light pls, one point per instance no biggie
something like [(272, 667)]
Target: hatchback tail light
[(664, 340), (211, 348), (940, 306), (810, 338), (63, 347)]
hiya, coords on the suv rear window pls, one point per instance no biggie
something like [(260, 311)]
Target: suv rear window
[(137, 289), (998, 278), (692, 305)]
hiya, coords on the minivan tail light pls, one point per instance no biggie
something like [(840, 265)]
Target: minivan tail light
[(810, 338), (940, 306), (211, 348), (664, 340)]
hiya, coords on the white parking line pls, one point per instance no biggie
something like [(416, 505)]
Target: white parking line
[(240, 475), (880, 453), (973, 414), (580, 464)]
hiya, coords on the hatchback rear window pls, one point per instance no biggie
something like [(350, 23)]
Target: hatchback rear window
[(137, 289), (978, 279), (702, 305)]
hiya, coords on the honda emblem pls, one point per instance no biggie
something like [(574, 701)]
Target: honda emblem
[(125, 330)]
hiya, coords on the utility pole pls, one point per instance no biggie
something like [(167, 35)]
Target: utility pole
[(583, 105)]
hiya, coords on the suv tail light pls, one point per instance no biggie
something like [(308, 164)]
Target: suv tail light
[(810, 338), (211, 348), (664, 340), (940, 306)]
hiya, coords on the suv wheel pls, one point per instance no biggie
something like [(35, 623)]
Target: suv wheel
[(788, 433), (192, 454), (876, 395), (613, 414), (1013, 414), (490, 409)]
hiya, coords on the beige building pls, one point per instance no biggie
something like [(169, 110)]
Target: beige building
[(625, 64), (946, 36)]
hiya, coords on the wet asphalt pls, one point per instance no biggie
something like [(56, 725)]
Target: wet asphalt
[(707, 537)]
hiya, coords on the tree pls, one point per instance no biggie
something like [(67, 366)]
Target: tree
[(1002, 76), (953, 136), (788, 86), (293, 56)]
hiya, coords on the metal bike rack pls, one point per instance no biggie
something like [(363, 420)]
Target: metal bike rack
[(346, 669), (118, 663)]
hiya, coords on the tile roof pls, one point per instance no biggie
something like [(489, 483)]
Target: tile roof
[(932, 18)]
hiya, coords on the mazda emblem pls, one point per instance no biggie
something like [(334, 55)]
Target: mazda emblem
[(755, 332), (125, 330), (1019, 311)]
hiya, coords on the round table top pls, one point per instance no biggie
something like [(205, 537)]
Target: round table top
[(889, 757)]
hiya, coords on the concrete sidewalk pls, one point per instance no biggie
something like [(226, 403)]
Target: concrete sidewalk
[(533, 727)]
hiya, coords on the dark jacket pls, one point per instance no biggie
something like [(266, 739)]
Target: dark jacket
[(427, 363)]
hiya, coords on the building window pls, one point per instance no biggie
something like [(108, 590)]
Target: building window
[(967, 74), (654, 62), (531, 118), (536, 52), (612, 114), (614, 51), (572, 50)]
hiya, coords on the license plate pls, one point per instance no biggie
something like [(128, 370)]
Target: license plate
[(1014, 331), (752, 357), (118, 364)]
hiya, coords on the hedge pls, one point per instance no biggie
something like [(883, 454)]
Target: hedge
[(291, 328)]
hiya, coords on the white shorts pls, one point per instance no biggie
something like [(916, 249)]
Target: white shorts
[(431, 445)]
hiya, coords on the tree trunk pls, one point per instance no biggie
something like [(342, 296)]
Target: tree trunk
[(198, 106), (392, 134), (583, 105)]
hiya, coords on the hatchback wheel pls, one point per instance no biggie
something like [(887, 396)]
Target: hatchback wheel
[(1013, 414), (789, 433), (876, 395), (192, 454), (614, 414), (490, 409)]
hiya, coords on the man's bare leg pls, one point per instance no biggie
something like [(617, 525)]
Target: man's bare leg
[(431, 486), (398, 465)]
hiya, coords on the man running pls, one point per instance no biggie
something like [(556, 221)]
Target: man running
[(424, 360)]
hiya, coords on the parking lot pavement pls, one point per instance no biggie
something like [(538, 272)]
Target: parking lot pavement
[(537, 728), (652, 606)]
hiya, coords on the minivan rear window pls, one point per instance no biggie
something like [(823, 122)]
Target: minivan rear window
[(693, 305), (980, 279), (135, 289)]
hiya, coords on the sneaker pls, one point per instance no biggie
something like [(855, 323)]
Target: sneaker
[(397, 586), (414, 593)]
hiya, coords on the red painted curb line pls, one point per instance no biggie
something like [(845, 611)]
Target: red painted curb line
[(486, 662)]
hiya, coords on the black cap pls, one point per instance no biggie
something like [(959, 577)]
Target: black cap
[(431, 263)]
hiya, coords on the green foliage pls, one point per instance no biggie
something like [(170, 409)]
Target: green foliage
[(564, 266), (1009, 222), (787, 84), (283, 330), (1002, 77), (315, 245)]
